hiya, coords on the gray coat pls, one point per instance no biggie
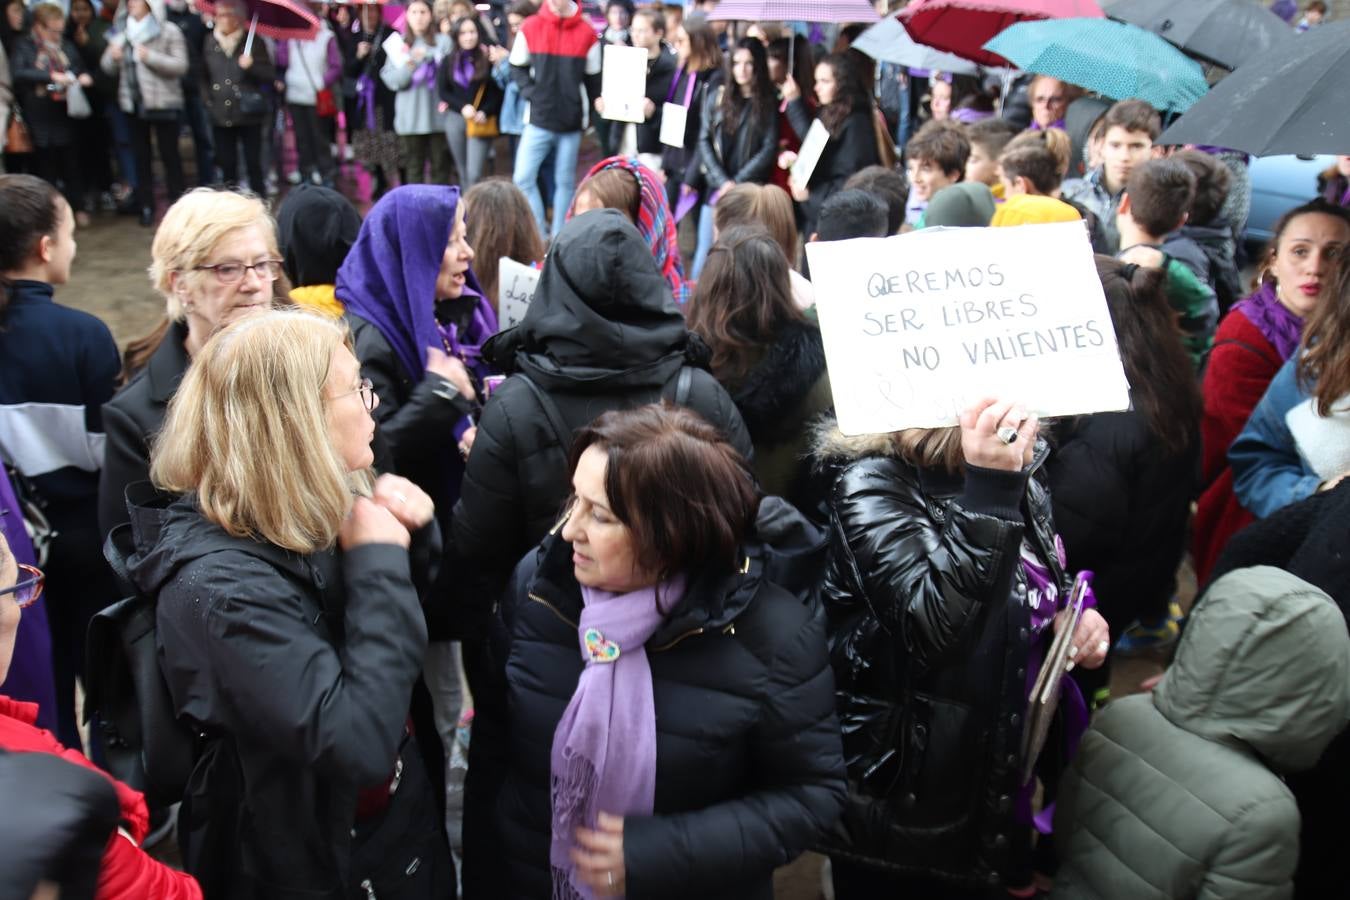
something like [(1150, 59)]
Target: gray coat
[(160, 75), (415, 105), (1178, 794)]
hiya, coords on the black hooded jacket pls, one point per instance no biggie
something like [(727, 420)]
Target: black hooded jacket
[(748, 764), (316, 226), (602, 333), (299, 669)]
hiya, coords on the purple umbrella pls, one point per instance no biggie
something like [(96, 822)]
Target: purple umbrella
[(795, 11)]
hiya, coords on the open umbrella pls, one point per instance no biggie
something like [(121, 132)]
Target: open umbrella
[(1279, 101), (795, 11), (1114, 59), (1224, 32), (888, 41), (964, 26), (280, 20)]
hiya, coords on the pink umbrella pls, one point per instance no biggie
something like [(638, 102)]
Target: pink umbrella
[(795, 11), (964, 26), (281, 20)]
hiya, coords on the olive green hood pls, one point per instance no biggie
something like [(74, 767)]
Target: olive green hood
[(1265, 663)]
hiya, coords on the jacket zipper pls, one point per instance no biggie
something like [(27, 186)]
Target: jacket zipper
[(537, 599), (729, 630)]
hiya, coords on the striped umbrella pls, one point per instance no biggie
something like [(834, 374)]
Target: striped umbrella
[(1114, 59), (795, 11), (963, 26)]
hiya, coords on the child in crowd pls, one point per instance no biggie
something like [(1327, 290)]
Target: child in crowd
[(1129, 129), (1155, 203), (1313, 15), (935, 158), (1205, 242)]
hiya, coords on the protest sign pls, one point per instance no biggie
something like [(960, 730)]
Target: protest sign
[(623, 83), (396, 49), (813, 145), (917, 327), (515, 289)]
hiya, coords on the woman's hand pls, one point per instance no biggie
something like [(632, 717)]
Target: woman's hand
[(599, 858), (85, 80), (115, 52), (245, 61), (789, 89), (466, 441), (417, 55), (786, 159), (1091, 639), (408, 502), (363, 49), (369, 523), (452, 370), (981, 443), (479, 116), (467, 111), (442, 107), (143, 53), (497, 54)]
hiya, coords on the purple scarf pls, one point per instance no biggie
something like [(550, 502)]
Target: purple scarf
[(425, 75), (463, 71), (30, 671), (1036, 126), (604, 748), (365, 99), (1273, 319)]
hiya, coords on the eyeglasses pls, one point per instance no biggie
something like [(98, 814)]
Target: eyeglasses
[(233, 272), (29, 589), (367, 392)]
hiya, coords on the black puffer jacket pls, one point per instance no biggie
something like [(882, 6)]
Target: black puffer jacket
[(1122, 502), (748, 154), (300, 670), (852, 149), (929, 634), (602, 333), (748, 765)]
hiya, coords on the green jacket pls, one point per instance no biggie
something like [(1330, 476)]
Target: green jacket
[(1178, 795)]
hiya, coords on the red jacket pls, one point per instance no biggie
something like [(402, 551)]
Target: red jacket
[(128, 872), (1240, 368)]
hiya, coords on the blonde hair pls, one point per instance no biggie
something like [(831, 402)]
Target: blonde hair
[(931, 448), (191, 230), (247, 431)]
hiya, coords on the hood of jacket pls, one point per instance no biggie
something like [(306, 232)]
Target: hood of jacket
[(602, 311), (1264, 663), (769, 394), (317, 227), (158, 9)]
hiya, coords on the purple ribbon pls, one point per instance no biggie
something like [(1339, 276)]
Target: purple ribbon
[(365, 99), (424, 75)]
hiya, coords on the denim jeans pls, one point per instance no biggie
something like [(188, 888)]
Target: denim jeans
[(705, 240), (535, 144), (120, 125)]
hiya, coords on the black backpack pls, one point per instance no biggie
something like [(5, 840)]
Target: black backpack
[(144, 743)]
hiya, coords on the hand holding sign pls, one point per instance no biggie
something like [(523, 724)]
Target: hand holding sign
[(998, 434)]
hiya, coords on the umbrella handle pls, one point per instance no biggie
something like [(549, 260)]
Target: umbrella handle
[(248, 41)]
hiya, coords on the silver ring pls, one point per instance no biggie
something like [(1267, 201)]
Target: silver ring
[(1103, 646), (400, 497), (1007, 434), (610, 876)]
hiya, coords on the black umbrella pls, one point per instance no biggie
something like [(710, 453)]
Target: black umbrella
[(1227, 33), (1289, 99)]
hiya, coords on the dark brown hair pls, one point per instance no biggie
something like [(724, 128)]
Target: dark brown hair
[(942, 143), (499, 223), (1316, 206), (992, 134), (1056, 140), (29, 211), (478, 54), (764, 205), (1034, 162), (743, 299), (615, 188), (1160, 192), (887, 184), (803, 65), (762, 103), (655, 18), (1211, 185), (1133, 115), (1162, 380), (849, 94), (684, 493), (704, 54), (1324, 365)]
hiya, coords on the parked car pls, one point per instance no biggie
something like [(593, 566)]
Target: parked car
[(1279, 183)]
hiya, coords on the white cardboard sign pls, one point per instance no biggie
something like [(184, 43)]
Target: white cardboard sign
[(813, 145), (623, 83), (515, 289), (918, 326)]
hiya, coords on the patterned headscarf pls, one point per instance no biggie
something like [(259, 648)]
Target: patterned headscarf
[(654, 222)]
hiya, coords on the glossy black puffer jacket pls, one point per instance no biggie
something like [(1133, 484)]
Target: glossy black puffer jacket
[(929, 633)]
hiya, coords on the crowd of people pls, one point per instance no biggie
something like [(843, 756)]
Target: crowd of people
[(349, 510)]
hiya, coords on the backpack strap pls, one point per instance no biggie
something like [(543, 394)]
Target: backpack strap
[(555, 419), (683, 386)]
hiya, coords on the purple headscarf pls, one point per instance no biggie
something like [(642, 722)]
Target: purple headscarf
[(389, 276), (1273, 319), (30, 670)]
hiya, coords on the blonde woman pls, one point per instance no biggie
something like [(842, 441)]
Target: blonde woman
[(290, 629), (214, 260)]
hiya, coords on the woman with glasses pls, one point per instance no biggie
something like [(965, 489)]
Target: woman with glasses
[(285, 578), (58, 366), (214, 260), (125, 871)]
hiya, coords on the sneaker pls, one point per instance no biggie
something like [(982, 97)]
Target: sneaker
[(1146, 637)]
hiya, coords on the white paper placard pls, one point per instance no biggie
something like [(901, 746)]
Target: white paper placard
[(515, 289), (673, 119), (812, 146), (396, 50), (918, 326), (623, 83)]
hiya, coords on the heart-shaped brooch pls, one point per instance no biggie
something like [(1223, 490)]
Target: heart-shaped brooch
[(598, 649)]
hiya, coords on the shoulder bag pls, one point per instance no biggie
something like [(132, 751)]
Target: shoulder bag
[(488, 127)]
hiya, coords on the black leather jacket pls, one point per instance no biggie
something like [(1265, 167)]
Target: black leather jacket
[(929, 633), (747, 155)]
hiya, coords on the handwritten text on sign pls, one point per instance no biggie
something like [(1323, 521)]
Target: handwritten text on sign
[(917, 327), (515, 289)]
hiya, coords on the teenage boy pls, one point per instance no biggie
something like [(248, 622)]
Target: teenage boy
[(555, 54), (648, 31), (987, 139), (1205, 242), (1129, 129), (935, 158), (1155, 203)]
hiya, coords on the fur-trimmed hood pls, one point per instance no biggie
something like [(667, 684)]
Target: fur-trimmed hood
[(829, 445), (771, 394)]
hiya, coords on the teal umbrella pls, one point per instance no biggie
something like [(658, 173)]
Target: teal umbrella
[(1114, 59)]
